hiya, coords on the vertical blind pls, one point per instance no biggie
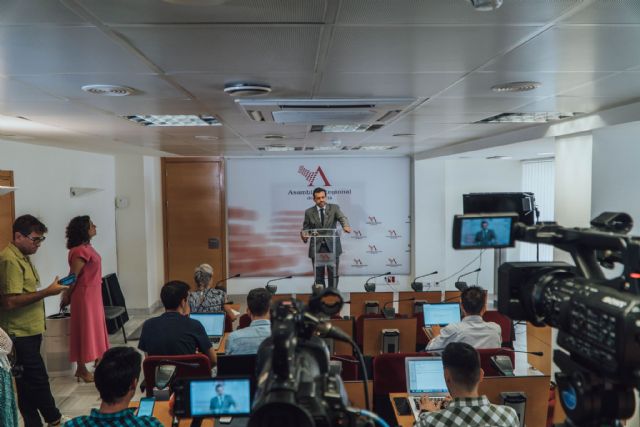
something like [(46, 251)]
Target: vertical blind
[(538, 177)]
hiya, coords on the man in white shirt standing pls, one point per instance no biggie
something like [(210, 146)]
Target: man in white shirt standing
[(472, 330)]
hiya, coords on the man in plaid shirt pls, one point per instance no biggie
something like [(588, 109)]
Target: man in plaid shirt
[(463, 374), (116, 378)]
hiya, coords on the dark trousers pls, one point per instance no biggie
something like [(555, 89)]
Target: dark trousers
[(34, 392), (331, 272)]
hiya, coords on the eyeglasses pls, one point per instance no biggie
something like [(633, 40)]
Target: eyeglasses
[(37, 240)]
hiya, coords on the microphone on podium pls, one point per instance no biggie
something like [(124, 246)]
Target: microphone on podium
[(274, 288), (371, 287), (461, 286), (225, 279), (390, 312), (418, 286)]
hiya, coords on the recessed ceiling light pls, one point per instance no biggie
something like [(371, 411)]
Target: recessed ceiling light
[(499, 158), (109, 90), (546, 154), (242, 89), (516, 86), (207, 137), (177, 120), (273, 137), (277, 147), (376, 147), (404, 134), (543, 117), (323, 148)]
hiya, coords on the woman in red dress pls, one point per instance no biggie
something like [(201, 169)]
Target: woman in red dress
[(89, 338)]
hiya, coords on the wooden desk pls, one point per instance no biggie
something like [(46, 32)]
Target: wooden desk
[(406, 307), (304, 298), (220, 349), (161, 412), (535, 387), (340, 347), (452, 296), (358, 300), (279, 297), (355, 391), (372, 329)]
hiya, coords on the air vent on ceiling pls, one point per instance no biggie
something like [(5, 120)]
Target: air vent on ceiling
[(327, 115), (543, 117), (109, 90)]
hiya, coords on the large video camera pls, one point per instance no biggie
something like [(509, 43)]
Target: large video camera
[(298, 386), (598, 318)]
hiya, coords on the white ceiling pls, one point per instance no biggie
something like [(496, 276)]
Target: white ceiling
[(442, 53)]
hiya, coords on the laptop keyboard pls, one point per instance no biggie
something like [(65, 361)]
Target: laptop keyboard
[(215, 340), (438, 400)]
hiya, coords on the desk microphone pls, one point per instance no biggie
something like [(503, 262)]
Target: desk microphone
[(418, 286), (461, 286), (224, 280), (372, 287), (390, 313), (274, 288)]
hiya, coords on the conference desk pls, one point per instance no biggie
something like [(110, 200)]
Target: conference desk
[(340, 347), (161, 412), (359, 299), (223, 342), (407, 307), (372, 332), (536, 388)]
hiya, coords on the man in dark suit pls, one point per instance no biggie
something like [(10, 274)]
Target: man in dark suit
[(221, 403), (323, 216), (485, 236)]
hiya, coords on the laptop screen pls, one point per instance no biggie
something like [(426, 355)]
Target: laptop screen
[(213, 323), (441, 313), (220, 397), (425, 375)]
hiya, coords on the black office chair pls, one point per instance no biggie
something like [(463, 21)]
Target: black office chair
[(113, 312)]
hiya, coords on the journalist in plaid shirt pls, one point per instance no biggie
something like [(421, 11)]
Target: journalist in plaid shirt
[(116, 378), (463, 374)]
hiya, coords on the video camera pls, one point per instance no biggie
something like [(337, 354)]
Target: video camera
[(298, 386), (598, 318)]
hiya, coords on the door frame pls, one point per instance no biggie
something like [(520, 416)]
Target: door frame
[(8, 174), (223, 195)]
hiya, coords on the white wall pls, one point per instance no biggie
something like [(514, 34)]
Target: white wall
[(44, 176), (439, 186), (139, 230)]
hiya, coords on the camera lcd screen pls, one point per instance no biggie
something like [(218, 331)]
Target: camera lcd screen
[(220, 397), (477, 232)]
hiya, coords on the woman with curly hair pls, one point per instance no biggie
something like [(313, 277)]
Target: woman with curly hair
[(206, 299), (88, 340)]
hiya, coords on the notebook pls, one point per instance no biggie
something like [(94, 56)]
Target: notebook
[(441, 314), (425, 377), (213, 325)]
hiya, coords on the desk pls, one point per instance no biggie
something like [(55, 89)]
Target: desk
[(345, 325), (452, 296), (372, 329), (406, 307), (535, 387), (220, 349), (358, 300)]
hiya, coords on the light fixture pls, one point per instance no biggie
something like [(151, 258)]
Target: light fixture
[(323, 148), (525, 86), (486, 5), (207, 137), (109, 90), (376, 147), (242, 89), (546, 154), (403, 134), (277, 147), (175, 120), (499, 158), (540, 117), (274, 137)]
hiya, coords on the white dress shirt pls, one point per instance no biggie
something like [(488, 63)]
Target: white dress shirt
[(472, 330)]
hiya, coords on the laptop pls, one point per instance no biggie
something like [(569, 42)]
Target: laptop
[(213, 325), (425, 377), (441, 314)]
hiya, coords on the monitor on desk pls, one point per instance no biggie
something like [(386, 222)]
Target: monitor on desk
[(441, 314), (213, 323)]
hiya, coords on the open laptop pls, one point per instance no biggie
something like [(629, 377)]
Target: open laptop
[(441, 313), (425, 377), (213, 325)]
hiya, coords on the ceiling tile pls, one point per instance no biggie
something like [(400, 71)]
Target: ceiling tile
[(236, 11), (18, 12), (457, 106), (228, 49), (621, 86), (575, 48), (410, 49), (608, 12), (15, 91), (570, 104)]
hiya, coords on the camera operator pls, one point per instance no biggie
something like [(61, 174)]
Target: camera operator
[(463, 374)]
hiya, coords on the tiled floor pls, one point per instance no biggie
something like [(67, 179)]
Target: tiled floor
[(74, 399)]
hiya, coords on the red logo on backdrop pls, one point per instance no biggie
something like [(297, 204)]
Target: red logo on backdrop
[(311, 176)]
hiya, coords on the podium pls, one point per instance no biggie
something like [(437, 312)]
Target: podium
[(324, 250)]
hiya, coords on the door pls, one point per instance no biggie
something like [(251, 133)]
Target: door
[(7, 210), (194, 217)]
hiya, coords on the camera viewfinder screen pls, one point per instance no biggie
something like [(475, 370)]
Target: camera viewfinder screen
[(485, 232), (220, 397)]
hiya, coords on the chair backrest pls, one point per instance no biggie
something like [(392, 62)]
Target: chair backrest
[(244, 322), (421, 338), (228, 323), (485, 359), (350, 370), (201, 367), (506, 324), (237, 365)]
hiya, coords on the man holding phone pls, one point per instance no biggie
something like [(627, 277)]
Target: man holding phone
[(116, 379), (22, 316)]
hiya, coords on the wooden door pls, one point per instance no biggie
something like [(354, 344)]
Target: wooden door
[(7, 210), (194, 217)]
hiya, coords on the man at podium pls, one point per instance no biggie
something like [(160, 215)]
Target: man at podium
[(324, 217)]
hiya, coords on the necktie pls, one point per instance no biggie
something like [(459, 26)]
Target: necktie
[(322, 216)]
